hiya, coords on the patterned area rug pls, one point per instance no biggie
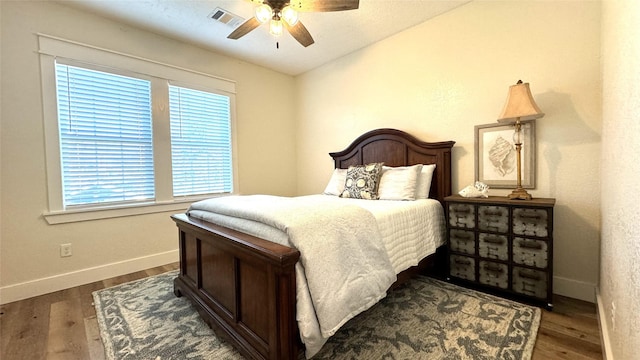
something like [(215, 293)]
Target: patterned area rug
[(423, 319)]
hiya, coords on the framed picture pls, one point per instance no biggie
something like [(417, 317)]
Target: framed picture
[(496, 159)]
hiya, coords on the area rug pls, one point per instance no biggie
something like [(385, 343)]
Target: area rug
[(423, 319)]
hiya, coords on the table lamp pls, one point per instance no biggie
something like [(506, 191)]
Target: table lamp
[(520, 106)]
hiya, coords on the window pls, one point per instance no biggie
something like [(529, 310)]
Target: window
[(133, 137), (106, 147), (200, 142)]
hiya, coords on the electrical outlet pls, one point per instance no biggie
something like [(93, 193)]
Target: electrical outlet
[(65, 250)]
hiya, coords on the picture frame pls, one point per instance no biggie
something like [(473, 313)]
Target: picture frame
[(495, 155)]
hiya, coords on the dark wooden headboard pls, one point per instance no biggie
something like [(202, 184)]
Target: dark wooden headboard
[(398, 148)]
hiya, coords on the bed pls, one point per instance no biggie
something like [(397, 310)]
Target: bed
[(245, 286)]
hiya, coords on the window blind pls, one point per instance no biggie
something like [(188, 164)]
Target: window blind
[(105, 136), (200, 142)]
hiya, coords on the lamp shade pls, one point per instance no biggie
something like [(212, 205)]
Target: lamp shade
[(520, 104), (263, 13), (275, 27), (290, 15)]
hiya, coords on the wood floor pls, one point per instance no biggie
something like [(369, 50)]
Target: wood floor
[(63, 325)]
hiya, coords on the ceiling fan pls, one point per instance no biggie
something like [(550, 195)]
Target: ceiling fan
[(284, 13)]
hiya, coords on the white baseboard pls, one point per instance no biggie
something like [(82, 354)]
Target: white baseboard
[(49, 284), (604, 329), (561, 286), (574, 289)]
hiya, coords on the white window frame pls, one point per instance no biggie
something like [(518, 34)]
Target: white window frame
[(161, 75)]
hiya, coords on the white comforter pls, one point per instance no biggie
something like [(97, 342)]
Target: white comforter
[(349, 255)]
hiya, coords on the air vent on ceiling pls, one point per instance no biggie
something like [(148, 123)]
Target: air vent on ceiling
[(225, 17)]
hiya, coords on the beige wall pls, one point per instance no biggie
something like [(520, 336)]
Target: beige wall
[(29, 247), (436, 81), (441, 78), (620, 250)]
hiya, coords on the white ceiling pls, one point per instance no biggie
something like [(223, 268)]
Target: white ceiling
[(335, 33)]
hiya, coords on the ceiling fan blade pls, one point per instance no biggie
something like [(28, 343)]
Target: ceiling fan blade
[(324, 5), (244, 28), (300, 33)]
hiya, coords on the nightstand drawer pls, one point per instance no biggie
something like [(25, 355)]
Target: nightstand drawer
[(530, 282), (462, 267), (462, 215), (494, 274), (462, 241), (493, 246), (530, 252), (493, 218), (530, 222)]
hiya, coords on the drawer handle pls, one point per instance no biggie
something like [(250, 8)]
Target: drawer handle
[(494, 240), (530, 245), (462, 262), (529, 276), (463, 236), (462, 210), (493, 213), (530, 216), (493, 268)]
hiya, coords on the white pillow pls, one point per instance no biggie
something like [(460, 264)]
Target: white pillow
[(399, 183), (336, 182), (424, 181)]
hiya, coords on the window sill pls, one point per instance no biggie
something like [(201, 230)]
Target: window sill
[(77, 215)]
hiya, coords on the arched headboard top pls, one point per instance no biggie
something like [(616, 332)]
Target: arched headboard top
[(397, 148)]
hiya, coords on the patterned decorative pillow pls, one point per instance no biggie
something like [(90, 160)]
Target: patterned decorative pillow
[(362, 181)]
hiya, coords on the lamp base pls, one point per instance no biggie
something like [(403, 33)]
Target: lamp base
[(519, 194)]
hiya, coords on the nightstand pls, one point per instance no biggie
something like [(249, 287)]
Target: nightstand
[(502, 246)]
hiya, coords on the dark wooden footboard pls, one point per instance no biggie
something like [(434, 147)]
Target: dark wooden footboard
[(243, 287)]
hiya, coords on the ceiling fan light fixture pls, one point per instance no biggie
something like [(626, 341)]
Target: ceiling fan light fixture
[(263, 13), (290, 15), (275, 27), (284, 14)]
